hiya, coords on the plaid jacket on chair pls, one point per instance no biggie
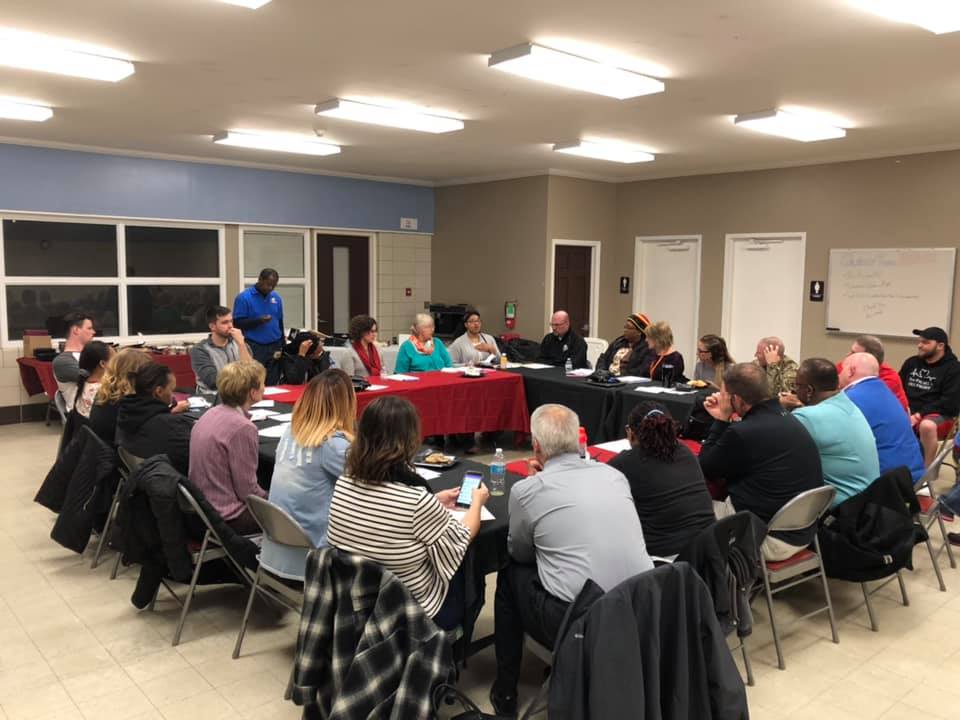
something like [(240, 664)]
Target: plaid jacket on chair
[(366, 648)]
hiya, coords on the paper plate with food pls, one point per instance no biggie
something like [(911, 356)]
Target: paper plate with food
[(434, 459)]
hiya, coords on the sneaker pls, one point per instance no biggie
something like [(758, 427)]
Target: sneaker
[(945, 512), (504, 703), (954, 539)]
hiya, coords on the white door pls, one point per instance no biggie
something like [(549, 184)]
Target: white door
[(763, 292), (666, 276)]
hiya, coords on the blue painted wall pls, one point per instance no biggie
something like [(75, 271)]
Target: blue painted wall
[(68, 181)]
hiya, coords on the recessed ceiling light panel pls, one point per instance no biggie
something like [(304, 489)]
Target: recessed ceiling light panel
[(559, 68), (397, 117), (28, 51), (612, 152), (789, 125), (15, 110), (276, 142), (252, 4), (937, 16)]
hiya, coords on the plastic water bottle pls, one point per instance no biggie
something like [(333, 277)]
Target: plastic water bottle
[(498, 472), (583, 443), (568, 366)]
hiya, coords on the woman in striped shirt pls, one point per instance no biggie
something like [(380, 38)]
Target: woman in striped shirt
[(382, 510)]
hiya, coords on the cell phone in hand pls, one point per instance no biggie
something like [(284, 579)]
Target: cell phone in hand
[(471, 481)]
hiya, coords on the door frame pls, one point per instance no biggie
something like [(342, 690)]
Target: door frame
[(372, 261), (638, 272), (594, 313), (731, 239)]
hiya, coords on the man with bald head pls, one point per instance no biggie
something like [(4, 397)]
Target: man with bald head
[(562, 343), (896, 442), (781, 371)]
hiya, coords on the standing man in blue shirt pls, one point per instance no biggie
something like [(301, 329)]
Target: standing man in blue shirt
[(258, 311)]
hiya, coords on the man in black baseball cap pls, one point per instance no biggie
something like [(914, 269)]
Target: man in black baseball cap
[(931, 380)]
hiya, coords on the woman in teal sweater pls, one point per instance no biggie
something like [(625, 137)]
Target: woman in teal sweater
[(422, 352)]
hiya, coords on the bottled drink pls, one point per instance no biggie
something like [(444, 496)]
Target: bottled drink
[(568, 366), (668, 375), (498, 472), (583, 443)]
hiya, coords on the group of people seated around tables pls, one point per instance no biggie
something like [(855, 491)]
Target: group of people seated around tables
[(779, 428)]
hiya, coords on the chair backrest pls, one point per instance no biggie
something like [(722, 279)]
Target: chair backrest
[(61, 402), (402, 338), (278, 526), (933, 471), (804, 510), (192, 507), (595, 348), (130, 461)]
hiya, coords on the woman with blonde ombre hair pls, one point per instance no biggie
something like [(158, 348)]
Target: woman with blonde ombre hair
[(117, 382), (310, 459)]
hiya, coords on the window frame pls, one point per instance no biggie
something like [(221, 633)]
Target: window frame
[(306, 282), (120, 280)]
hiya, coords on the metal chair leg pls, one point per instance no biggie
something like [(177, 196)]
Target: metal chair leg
[(903, 589), (246, 615), (747, 665), (946, 541), (866, 599), (773, 623), (116, 566), (936, 565), (114, 504), (826, 590), (193, 584)]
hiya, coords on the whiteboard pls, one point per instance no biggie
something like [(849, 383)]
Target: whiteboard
[(890, 291)]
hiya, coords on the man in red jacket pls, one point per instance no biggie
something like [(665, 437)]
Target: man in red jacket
[(891, 378)]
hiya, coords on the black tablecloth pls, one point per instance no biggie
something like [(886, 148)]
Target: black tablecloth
[(603, 411)]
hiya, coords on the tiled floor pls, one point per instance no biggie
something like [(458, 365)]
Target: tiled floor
[(72, 645)]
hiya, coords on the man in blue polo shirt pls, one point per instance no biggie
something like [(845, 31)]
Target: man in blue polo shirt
[(258, 311)]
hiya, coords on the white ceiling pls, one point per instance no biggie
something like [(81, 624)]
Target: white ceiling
[(204, 66)]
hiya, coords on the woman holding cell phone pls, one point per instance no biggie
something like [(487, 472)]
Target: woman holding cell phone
[(383, 511)]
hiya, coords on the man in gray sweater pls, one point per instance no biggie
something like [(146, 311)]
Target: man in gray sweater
[(224, 345), (66, 365)]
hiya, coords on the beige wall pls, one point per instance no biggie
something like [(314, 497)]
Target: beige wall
[(912, 201), (403, 261), (489, 246)]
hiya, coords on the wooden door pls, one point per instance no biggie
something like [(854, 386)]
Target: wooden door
[(343, 281), (571, 284)]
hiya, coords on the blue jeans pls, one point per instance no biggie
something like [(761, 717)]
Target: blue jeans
[(263, 354)]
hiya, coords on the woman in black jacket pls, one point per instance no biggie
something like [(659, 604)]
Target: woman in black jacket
[(666, 481), (117, 382), (148, 419), (629, 354)]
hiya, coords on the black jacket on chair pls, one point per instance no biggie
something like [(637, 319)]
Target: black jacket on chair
[(649, 649), (871, 535), (727, 557), (80, 488), (154, 531)]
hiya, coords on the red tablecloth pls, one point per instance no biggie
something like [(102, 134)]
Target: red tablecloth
[(448, 403), (520, 467), (37, 375)]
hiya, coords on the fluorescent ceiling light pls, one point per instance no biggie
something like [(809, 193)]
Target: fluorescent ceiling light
[(37, 52), (560, 68), (388, 116), (603, 151), (14, 110), (937, 16), (794, 127), (278, 142), (252, 4)]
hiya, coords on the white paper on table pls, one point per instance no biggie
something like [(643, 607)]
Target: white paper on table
[(580, 372), (264, 404), (674, 391), (511, 366), (651, 389), (198, 403), (285, 417), (427, 474), (630, 379), (260, 415), (400, 377), (453, 370), (376, 387), (274, 431), (535, 366), (484, 514), (614, 446), (274, 391)]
